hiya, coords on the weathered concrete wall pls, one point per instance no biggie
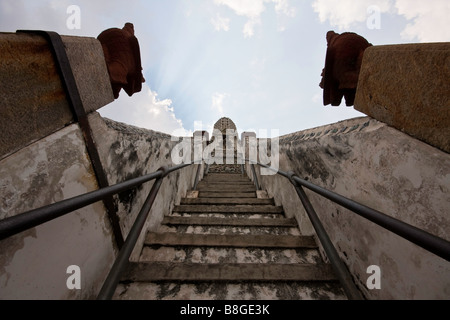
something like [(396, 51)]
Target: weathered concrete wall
[(128, 152), (33, 263), (44, 159), (58, 167), (383, 168)]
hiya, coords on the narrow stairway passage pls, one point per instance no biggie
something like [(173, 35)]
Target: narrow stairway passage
[(227, 244)]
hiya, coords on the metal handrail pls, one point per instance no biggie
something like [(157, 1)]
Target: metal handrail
[(255, 177), (32, 218), (197, 176), (24, 221), (121, 262), (430, 242)]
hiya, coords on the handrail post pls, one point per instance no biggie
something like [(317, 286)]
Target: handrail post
[(255, 177), (339, 267), (110, 284)]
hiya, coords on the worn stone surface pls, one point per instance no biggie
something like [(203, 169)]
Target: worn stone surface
[(209, 257), (239, 208), (225, 168), (230, 240), (89, 69), (128, 152), (246, 229), (33, 263), (219, 201), (381, 167), (192, 194), (169, 271), (33, 101), (407, 87), (230, 255), (211, 221), (262, 194), (230, 291)]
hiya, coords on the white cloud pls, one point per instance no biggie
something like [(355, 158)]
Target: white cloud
[(283, 7), (430, 19), (249, 27), (317, 98), (252, 9), (217, 102), (344, 13), (220, 23), (145, 110), (248, 8)]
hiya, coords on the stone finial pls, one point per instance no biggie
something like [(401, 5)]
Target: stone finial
[(342, 65), (123, 59)]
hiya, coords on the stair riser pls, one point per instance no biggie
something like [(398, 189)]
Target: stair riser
[(227, 188), (230, 230), (210, 221), (229, 255), (224, 272), (228, 209), (230, 291), (222, 180), (237, 241), (220, 194), (230, 215), (225, 201), (226, 182), (228, 244)]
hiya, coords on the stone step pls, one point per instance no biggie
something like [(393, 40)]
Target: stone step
[(211, 221), (226, 188), (199, 272), (226, 168), (218, 178), (228, 244), (226, 201), (226, 230), (229, 255), (228, 209), (225, 183), (225, 177), (228, 215), (245, 241), (237, 291), (220, 194), (211, 225)]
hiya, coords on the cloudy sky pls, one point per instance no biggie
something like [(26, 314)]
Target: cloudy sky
[(255, 61)]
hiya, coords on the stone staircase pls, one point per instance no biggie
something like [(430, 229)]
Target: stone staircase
[(229, 244)]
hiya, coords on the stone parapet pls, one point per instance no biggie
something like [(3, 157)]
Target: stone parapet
[(33, 102), (407, 87), (385, 169)]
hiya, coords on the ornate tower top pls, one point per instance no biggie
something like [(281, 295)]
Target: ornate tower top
[(223, 124)]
